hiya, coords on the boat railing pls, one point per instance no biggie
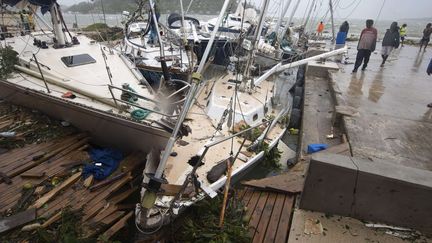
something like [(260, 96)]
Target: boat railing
[(136, 105)]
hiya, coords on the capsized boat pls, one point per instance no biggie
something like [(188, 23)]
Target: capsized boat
[(92, 86)]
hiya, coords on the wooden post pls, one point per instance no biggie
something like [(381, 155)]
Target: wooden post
[(40, 71), (227, 187)]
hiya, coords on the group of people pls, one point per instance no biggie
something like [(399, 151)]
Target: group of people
[(393, 37)]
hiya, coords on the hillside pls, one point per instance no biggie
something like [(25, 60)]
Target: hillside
[(117, 6)]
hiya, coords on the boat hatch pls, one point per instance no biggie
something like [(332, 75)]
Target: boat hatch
[(77, 60)]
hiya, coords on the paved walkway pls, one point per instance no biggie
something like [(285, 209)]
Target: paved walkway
[(394, 122)]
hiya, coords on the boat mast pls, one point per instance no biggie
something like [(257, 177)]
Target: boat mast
[(282, 16), (260, 25), (308, 16), (57, 26), (332, 22), (161, 44), (290, 19)]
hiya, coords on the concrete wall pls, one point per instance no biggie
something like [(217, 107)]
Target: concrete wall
[(369, 190)]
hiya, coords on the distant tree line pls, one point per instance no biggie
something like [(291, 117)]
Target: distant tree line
[(165, 6)]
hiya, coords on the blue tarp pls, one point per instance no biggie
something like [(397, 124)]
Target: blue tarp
[(44, 4), (315, 147), (109, 158)]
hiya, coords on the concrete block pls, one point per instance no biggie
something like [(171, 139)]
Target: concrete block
[(318, 69), (329, 185), (393, 194)]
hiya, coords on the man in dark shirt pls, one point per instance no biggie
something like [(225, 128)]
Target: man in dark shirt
[(426, 36), (366, 45), (429, 72)]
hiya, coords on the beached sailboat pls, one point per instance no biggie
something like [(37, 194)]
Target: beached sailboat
[(194, 133), (234, 117), (92, 86)]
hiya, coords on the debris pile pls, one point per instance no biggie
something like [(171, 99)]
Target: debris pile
[(42, 185), (20, 126)]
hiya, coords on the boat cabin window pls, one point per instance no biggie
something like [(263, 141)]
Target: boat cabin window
[(236, 19), (77, 60)]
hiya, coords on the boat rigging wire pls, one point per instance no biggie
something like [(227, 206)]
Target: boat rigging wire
[(379, 13)]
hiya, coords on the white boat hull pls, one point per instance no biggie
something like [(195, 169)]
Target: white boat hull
[(105, 128)]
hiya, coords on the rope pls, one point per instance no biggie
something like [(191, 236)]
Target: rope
[(379, 14), (140, 114)]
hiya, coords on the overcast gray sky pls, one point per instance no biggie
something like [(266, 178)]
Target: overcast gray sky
[(361, 9)]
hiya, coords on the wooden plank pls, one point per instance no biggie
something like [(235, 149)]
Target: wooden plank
[(274, 219), (52, 219), (107, 210), (117, 226), (11, 193), (16, 220), (45, 198), (88, 181), (252, 203), (240, 193), (256, 215), (247, 196), (283, 227), (122, 196), (265, 218), (36, 175), (59, 152), (290, 182), (98, 202), (108, 220)]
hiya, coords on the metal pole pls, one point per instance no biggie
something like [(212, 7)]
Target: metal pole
[(290, 19), (282, 15), (279, 67), (103, 11), (40, 71), (257, 35), (182, 13), (332, 23), (162, 48), (309, 14)]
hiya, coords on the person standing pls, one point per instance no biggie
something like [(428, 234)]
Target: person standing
[(426, 36), (320, 28), (342, 34), (390, 41), (366, 45), (402, 34), (429, 72), (341, 39)]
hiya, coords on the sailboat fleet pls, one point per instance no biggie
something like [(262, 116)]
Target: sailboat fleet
[(193, 118)]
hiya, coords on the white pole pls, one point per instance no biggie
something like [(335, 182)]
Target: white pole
[(261, 21), (57, 26), (290, 19), (282, 15), (332, 23), (182, 14), (309, 14), (213, 35), (279, 67)]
